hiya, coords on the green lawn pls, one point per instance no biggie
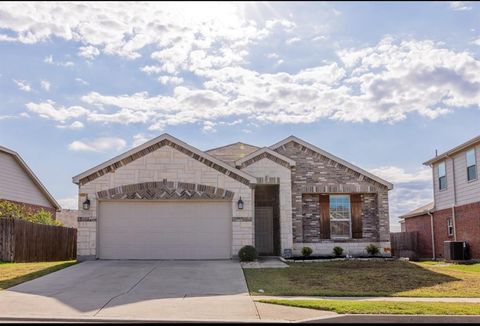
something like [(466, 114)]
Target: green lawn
[(15, 273), (375, 307), (367, 278)]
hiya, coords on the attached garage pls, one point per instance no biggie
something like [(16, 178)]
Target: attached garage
[(165, 229)]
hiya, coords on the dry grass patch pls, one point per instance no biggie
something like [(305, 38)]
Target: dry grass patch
[(365, 278)]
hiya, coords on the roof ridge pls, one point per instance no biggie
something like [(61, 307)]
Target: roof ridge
[(238, 142)]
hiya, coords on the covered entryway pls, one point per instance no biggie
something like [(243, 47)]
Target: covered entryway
[(193, 229), (267, 221)]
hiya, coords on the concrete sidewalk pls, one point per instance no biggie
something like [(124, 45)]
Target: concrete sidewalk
[(395, 299)]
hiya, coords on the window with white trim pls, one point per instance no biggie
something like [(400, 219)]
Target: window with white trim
[(450, 227), (442, 176), (340, 216), (471, 165)]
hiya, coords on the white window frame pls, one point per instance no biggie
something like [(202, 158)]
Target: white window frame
[(349, 219), (450, 230), (474, 163), (444, 176)]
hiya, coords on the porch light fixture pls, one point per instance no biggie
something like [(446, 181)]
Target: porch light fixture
[(240, 203), (86, 204)]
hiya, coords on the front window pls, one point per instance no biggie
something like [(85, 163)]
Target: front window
[(442, 176), (340, 216), (471, 165), (450, 227)]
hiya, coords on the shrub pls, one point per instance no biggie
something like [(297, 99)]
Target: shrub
[(247, 253), (306, 251), (22, 212), (337, 251), (43, 217), (372, 249)]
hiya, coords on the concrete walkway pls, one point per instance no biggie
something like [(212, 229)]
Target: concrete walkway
[(395, 299)]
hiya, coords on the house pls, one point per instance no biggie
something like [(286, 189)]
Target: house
[(18, 184), (455, 212), (166, 199)]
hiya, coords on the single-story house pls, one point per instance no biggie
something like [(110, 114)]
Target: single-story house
[(18, 184), (166, 199), (454, 214)]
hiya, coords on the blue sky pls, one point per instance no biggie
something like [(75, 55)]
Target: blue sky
[(381, 85)]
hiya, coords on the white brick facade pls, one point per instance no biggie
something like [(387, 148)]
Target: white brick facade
[(164, 163)]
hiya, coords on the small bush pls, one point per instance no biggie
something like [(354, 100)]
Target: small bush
[(306, 251), (22, 212), (372, 249), (337, 251), (247, 253)]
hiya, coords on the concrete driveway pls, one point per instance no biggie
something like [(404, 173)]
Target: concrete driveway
[(143, 290)]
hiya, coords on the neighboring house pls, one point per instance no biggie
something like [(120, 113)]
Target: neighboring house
[(19, 184), (68, 217), (168, 200), (455, 212)]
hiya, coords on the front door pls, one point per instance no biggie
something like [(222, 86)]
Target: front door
[(264, 230)]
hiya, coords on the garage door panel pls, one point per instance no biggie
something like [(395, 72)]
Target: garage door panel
[(165, 230)]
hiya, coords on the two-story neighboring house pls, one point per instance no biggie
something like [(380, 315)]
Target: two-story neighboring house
[(455, 212)]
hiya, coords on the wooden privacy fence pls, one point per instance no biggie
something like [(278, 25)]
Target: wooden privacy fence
[(404, 244), (22, 241)]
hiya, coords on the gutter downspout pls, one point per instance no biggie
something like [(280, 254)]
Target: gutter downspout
[(433, 235), (454, 200)]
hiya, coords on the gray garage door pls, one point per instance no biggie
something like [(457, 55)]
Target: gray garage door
[(165, 230)]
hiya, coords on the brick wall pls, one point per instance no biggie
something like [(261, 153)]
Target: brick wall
[(421, 225), (315, 173), (467, 222)]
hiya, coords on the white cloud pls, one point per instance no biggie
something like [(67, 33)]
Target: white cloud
[(209, 127), (23, 85), (74, 125), (5, 117), (412, 189), (102, 144), (140, 139), (476, 42), (460, 5), (50, 61), (124, 29), (164, 80), (386, 82), (395, 174), (48, 110), (293, 40), (89, 52), (81, 81), (45, 85), (68, 203), (272, 55)]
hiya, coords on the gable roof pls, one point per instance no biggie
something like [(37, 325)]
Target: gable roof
[(419, 211), (129, 156), (32, 176), (472, 142), (267, 151), (232, 152), (333, 158)]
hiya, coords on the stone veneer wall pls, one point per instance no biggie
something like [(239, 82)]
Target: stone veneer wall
[(268, 171), (315, 174), (164, 163)]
